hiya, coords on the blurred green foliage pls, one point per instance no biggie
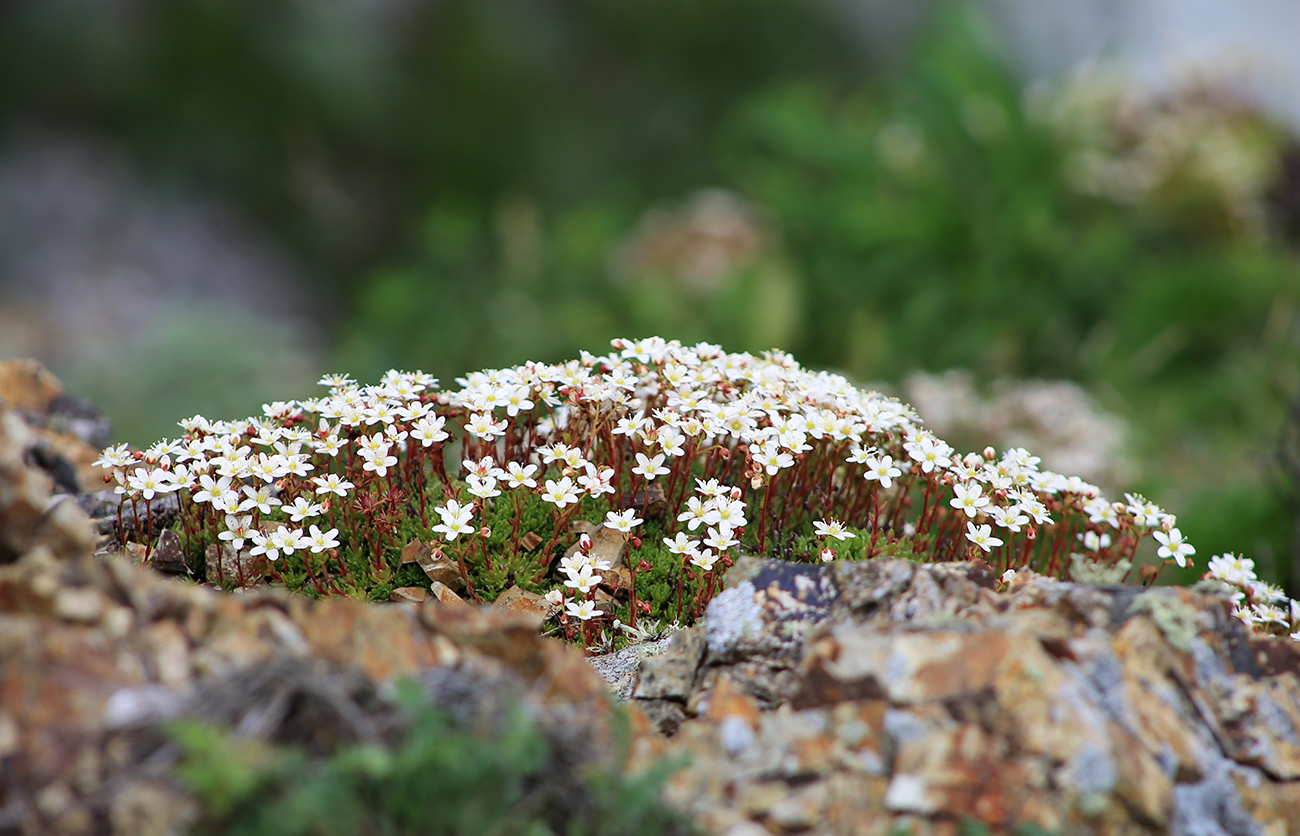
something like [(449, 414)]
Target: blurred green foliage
[(440, 778), (477, 182)]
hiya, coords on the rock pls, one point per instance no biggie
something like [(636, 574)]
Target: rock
[(650, 502), (411, 594), (68, 432), (865, 697), (443, 593), (414, 550), (438, 568), (606, 543), (167, 555), (518, 600), (27, 385), (26, 489), (620, 668), (226, 565)]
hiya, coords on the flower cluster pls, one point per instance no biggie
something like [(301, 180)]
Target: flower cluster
[(741, 453), (1261, 605)]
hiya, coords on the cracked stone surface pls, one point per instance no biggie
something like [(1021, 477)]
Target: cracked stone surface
[(862, 697)]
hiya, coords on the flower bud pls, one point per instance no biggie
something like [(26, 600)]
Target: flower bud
[(644, 566), (636, 543), (643, 607), (990, 454), (584, 542)]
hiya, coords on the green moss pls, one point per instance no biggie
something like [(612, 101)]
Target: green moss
[(1179, 622)]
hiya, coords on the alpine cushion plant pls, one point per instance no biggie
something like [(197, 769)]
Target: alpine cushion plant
[(688, 456)]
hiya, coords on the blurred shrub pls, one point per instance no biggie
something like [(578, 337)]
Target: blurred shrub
[(339, 124), (441, 777)]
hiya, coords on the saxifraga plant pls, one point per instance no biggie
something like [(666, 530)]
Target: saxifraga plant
[(690, 454)]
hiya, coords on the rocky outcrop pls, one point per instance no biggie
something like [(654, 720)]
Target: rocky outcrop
[(844, 698), (863, 697), (68, 431)]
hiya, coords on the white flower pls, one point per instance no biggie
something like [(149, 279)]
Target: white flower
[(1230, 568), (261, 545), (237, 530), (726, 512), (585, 610), (1094, 541), (882, 469), (301, 509), (333, 483), (704, 559), (455, 519), (710, 488), (378, 461), (630, 425), (696, 511), (1100, 512), (319, 541), (623, 521), (516, 400), (1145, 514), (484, 487), (930, 452), (583, 578), (772, 459), (216, 491), (1031, 505), (287, 539), (429, 430), (969, 498), (681, 544), (650, 467), (119, 456), (484, 467), (150, 481), (982, 536), (259, 498), (560, 493), (671, 441), (719, 539), (1172, 546), (481, 425), (832, 528), (596, 481), (554, 452), (1010, 518), (519, 476)]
